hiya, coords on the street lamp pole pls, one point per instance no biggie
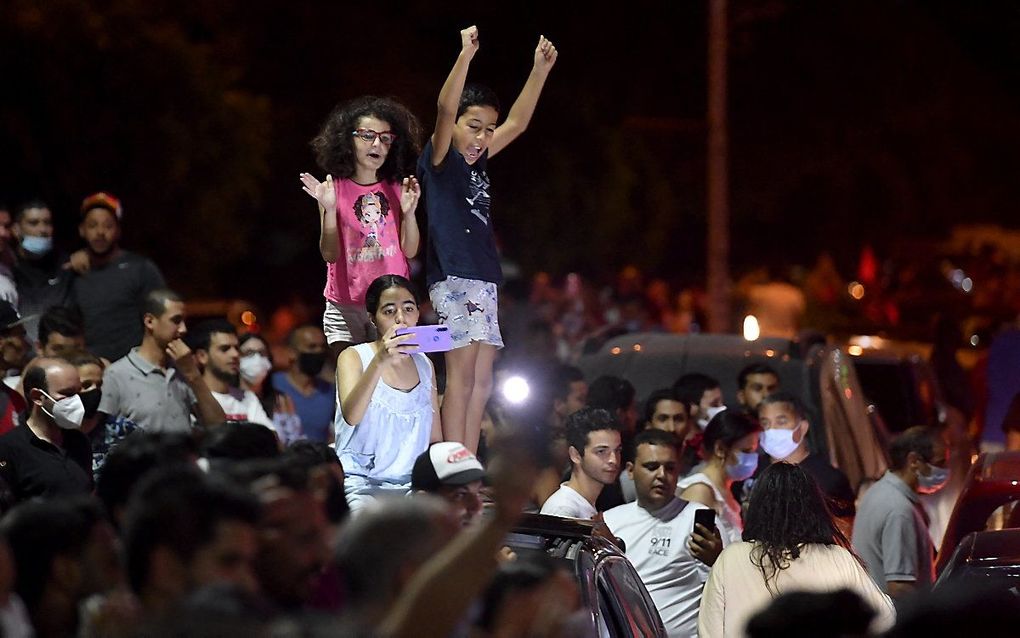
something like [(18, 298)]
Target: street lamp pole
[(718, 172)]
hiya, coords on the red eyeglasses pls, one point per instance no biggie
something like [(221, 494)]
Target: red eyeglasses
[(367, 134)]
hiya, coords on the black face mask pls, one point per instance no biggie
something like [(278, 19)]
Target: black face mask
[(90, 399), (311, 363)]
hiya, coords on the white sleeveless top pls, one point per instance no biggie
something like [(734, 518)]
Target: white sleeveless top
[(730, 524), (395, 429)]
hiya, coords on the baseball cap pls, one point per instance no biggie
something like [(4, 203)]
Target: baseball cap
[(9, 316), (102, 200), (446, 463)]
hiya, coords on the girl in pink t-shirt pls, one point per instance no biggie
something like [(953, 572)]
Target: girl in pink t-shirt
[(366, 215)]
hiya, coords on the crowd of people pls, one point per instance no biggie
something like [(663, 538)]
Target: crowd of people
[(162, 478)]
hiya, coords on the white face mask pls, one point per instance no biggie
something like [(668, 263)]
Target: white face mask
[(254, 367), (778, 442), (709, 414), (67, 412)]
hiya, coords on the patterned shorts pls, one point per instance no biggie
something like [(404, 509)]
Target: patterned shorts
[(469, 308)]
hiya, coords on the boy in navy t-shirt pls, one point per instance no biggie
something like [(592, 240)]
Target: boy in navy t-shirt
[(463, 264)]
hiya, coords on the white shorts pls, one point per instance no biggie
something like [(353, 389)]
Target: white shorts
[(469, 307), (347, 323)]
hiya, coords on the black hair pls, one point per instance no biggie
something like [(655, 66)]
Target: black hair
[(477, 95), (39, 531), (563, 376), (651, 436), (34, 377), (787, 399), (585, 421), (84, 358), (292, 336), (662, 394), (61, 320), (155, 302), (610, 393), (19, 212), (754, 368), (334, 145), (530, 570), (692, 386), (200, 337), (180, 509), (134, 457), (313, 452), (285, 470), (786, 511), (804, 614), (359, 205), (727, 427), (241, 441), (919, 439), (383, 283)]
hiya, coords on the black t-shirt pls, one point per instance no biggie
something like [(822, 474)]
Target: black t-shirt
[(461, 239), (34, 467), (111, 298), (833, 483)]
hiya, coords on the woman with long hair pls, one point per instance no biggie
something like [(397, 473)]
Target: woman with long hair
[(730, 450), (389, 408), (790, 543)]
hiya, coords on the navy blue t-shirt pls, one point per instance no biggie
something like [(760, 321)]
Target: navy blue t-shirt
[(461, 240)]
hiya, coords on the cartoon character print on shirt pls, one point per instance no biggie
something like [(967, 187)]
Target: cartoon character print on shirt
[(371, 210), (478, 186)]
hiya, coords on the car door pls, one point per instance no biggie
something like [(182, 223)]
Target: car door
[(624, 604)]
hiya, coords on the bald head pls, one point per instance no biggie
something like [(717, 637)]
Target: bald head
[(50, 376)]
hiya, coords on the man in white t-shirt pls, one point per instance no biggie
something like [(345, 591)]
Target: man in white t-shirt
[(593, 437), (215, 345), (656, 530)]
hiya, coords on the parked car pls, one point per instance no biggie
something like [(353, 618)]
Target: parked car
[(610, 588), (985, 559), (992, 483), (821, 375)]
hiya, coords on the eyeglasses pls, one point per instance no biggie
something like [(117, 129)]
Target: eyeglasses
[(367, 134)]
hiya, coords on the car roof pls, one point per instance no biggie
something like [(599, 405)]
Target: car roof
[(993, 547)]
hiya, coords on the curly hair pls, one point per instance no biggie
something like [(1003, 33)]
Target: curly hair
[(786, 512), (334, 145)]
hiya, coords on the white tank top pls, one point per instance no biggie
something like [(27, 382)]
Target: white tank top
[(395, 429)]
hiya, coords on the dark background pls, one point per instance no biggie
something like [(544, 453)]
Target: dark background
[(852, 122)]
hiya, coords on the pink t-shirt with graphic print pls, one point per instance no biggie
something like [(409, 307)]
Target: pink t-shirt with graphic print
[(368, 224)]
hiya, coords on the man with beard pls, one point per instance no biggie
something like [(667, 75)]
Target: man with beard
[(112, 283), (670, 555), (216, 349), (314, 399), (157, 386)]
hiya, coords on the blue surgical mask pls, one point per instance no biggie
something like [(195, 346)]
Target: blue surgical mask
[(778, 443), (38, 246), (747, 463), (933, 482)]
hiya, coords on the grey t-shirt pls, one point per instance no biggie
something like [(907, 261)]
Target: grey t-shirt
[(110, 298), (891, 534), (153, 398)]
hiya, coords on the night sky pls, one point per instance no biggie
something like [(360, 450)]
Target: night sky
[(852, 122)]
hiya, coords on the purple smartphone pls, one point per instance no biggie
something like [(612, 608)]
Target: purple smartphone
[(428, 338)]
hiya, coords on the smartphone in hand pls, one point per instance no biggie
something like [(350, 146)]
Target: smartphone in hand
[(428, 338), (705, 518)]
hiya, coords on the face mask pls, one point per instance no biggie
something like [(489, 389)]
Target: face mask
[(933, 482), (90, 399), (38, 246), (67, 412), (254, 367), (311, 363), (709, 414), (778, 443), (747, 463)]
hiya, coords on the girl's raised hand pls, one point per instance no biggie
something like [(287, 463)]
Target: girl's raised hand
[(545, 54), (469, 39), (410, 192), (394, 346), (322, 192)]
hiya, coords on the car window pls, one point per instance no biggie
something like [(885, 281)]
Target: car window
[(1004, 517), (632, 609)]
